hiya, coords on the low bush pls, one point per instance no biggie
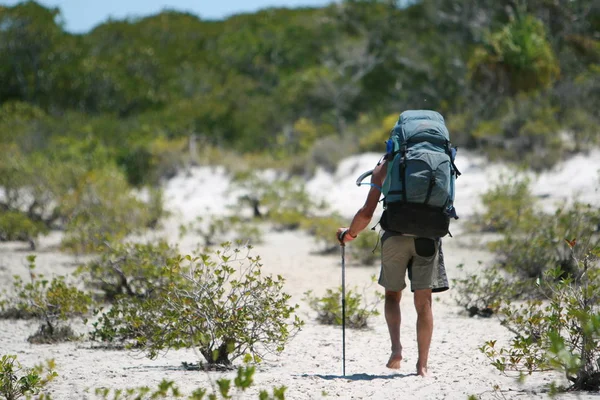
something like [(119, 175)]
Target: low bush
[(329, 307), (284, 202), (130, 269), (17, 226), (72, 186), (560, 333), (482, 294), (219, 303), (52, 301), (536, 245), (101, 209), (17, 381), (508, 204)]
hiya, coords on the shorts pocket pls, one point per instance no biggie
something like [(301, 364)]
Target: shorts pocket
[(424, 247)]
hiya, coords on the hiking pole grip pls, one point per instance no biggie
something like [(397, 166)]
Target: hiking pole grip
[(341, 237)]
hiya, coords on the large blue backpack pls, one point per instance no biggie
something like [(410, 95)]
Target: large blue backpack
[(419, 186)]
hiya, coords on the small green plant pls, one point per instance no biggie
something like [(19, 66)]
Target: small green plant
[(15, 225), (52, 301), (101, 209), (481, 294), (17, 381), (220, 303), (329, 307), (283, 202), (536, 246), (130, 269), (561, 333), (223, 389), (507, 205)]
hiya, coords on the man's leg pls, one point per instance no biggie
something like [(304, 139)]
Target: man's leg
[(392, 317), (424, 327)]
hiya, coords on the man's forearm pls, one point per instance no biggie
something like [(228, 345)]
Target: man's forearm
[(359, 222)]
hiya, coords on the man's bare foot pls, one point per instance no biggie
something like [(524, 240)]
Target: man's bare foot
[(422, 371), (395, 359)]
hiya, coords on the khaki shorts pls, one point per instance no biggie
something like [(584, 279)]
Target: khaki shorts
[(401, 253)]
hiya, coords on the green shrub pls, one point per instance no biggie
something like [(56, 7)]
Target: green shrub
[(17, 381), (329, 308), (101, 209), (482, 294), (562, 333), (155, 207), (222, 390), (375, 139), (149, 162), (225, 308), (130, 269), (536, 245), (52, 301), (518, 58), (524, 130), (583, 127), (15, 225), (508, 204), (284, 202)]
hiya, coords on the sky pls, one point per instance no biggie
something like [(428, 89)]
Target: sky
[(79, 16)]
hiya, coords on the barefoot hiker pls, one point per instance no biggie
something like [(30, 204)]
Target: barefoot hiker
[(412, 226)]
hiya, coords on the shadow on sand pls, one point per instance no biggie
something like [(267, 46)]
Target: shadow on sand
[(358, 377)]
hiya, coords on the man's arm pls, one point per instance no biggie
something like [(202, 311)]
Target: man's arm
[(363, 216)]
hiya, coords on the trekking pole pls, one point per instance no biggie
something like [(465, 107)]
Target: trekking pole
[(343, 248)]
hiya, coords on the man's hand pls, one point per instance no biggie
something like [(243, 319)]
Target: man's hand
[(343, 235)]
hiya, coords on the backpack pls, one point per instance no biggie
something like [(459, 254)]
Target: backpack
[(419, 186)]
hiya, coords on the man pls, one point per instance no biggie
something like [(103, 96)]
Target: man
[(399, 253)]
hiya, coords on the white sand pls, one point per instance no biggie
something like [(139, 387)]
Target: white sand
[(311, 364)]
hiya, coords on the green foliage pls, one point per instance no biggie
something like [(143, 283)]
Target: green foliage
[(375, 140), (526, 131), (299, 88), (283, 202), (101, 208), (73, 186), (222, 390), (561, 333), (16, 225), (537, 245), (532, 241), (483, 293), (519, 56), (17, 381), (508, 204), (219, 303), (51, 301), (329, 307), (130, 269)]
